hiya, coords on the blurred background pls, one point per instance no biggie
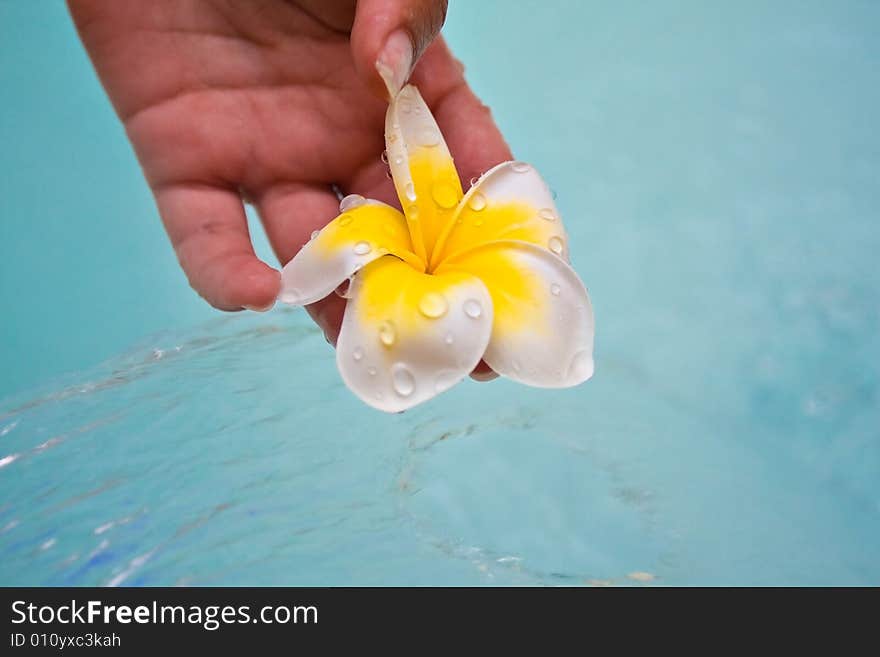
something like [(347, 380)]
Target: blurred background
[(718, 169)]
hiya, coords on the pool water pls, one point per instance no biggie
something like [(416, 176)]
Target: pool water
[(718, 169)]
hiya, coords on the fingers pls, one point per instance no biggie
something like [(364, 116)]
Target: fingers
[(388, 36), (290, 212), (208, 229)]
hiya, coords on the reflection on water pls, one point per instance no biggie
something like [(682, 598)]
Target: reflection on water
[(234, 455)]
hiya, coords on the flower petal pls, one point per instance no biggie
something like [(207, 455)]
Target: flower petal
[(422, 168), (509, 202), (354, 238), (542, 334), (408, 336)]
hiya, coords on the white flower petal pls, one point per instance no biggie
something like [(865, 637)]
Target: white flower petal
[(509, 202), (408, 336), (543, 327), (355, 238)]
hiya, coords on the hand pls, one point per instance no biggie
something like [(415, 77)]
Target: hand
[(272, 101)]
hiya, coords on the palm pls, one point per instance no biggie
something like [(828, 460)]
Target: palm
[(259, 100)]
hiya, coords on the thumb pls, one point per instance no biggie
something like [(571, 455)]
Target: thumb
[(388, 36)]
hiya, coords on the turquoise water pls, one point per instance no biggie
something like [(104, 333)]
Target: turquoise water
[(719, 172)]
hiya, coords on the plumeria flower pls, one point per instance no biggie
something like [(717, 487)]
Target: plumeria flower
[(453, 279)]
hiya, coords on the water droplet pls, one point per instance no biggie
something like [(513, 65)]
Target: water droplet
[(402, 380), (315, 233), (388, 175), (371, 371), (556, 245), (345, 219), (362, 248), (547, 214), (351, 201), (449, 339), (521, 167), (412, 213), (384, 157), (444, 195), (474, 180), (477, 202), (473, 309), (358, 353), (398, 160), (555, 290), (445, 380), (387, 334), (429, 137), (433, 305), (405, 106), (410, 191), (581, 366)]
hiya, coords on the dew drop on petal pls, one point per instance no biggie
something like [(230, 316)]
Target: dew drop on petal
[(444, 195), (477, 202), (547, 214), (433, 305), (314, 234), (387, 334), (449, 339), (362, 248), (345, 219), (473, 309), (581, 365), (521, 167), (384, 157), (409, 191), (556, 245), (402, 380), (555, 290), (474, 180), (429, 137), (405, 106), (398, 160), (371, 371), (351, 201), (358, 353), (412, 213)]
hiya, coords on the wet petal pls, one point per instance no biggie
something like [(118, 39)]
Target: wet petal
[(424, 173), (408, 336), (356, 237), (509, 202), (542, 333)]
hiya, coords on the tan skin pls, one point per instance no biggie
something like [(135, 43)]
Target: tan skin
[(269, 101)]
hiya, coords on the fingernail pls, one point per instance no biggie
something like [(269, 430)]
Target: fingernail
[(395, 61), (260, 309)]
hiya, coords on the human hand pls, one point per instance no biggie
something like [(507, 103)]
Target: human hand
[(273, 101)]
